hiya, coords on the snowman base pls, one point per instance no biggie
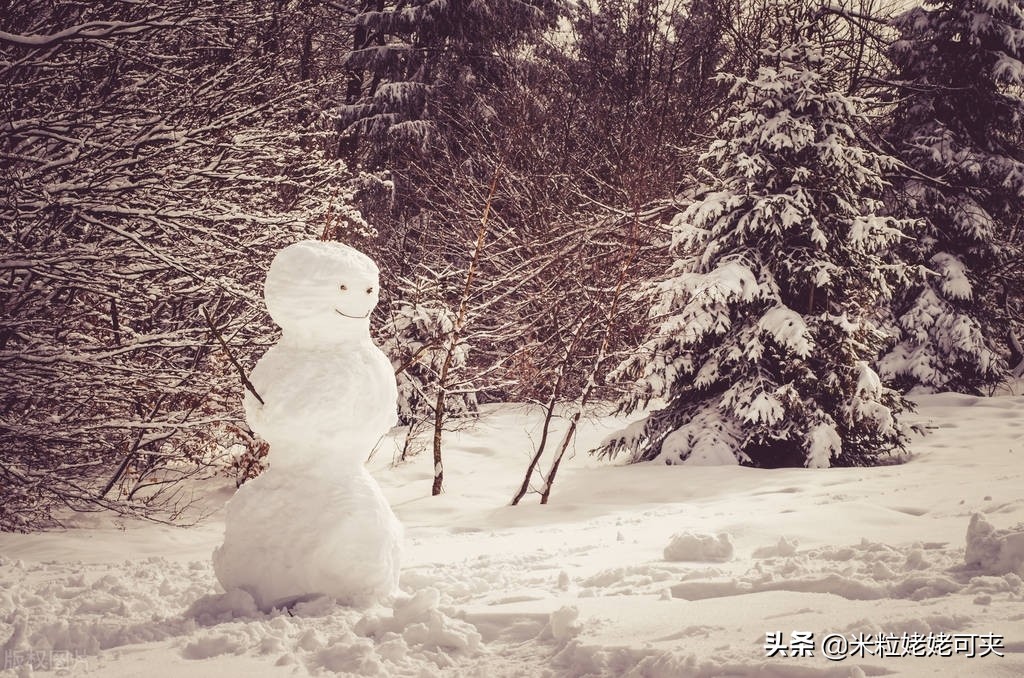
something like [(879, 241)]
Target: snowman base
[(293, 534)]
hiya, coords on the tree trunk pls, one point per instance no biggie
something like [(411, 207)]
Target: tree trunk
[(456, 336), (598, 359)]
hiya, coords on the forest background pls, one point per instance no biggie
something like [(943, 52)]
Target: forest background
[(539, 182)]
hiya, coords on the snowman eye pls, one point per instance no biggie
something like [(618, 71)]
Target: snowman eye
[(369, 290), (344, 287)]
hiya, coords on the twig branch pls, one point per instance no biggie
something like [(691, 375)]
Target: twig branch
[(231, 356), (456, 335)]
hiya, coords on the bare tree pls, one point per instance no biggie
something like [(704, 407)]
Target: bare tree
[(154, 157), (580, 349)]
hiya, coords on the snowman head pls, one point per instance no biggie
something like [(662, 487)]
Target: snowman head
[(322, 292)]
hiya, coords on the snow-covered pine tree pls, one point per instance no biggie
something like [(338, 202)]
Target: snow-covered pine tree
[(765, 331), (415, 335), (957, 125)]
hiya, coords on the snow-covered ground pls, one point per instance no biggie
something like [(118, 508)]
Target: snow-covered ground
[(637, 570)]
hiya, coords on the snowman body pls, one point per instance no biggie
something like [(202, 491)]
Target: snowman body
[(316, 523)]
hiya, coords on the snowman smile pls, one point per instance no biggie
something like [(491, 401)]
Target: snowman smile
[(354, 317)]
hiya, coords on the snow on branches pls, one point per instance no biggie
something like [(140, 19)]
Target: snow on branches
[(957, 65), (153, 161), (765, 324)]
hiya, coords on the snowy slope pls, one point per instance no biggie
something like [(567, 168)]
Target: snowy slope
[(641, 570)]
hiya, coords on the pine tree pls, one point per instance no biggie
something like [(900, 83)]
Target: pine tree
[(765, 320), (408, 55), (957, 127)]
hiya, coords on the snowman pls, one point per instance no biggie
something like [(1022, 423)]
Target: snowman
[(316, 523)]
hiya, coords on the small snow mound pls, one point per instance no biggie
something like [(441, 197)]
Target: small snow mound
[(916, 560), (419, 624), (563, 580), (562, 624), (689, 546), (417, 608), (440, 631), (311, 640), (994, 551), (783, 549), (920, 587), (836, 584), (17, 641), (1008, 583), (215, 645), (355, 658), (217, 609)]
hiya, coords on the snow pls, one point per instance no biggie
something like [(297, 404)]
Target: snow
[(706, 440), (992, 550), (937, 338), (316, 523), (562, 623), (825, 442), (581, 586), (687, 546), (953, 280), (787, 328), (85, 31), (319, 291), (299, 532)]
